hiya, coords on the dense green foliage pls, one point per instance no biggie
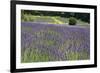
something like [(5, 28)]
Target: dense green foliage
[(72, 21)]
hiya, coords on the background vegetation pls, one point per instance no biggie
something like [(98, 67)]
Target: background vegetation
[(54, 17)]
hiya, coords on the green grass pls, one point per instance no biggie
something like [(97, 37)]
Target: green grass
[(48, 19), (33, 55), (77, 55), (81, 22)]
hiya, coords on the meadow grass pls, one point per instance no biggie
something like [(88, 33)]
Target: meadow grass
[(49, 19), (32, 55)]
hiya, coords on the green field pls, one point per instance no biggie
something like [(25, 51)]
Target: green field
[(49, 19)]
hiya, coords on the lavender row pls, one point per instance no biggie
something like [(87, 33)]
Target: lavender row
[(56, 41)]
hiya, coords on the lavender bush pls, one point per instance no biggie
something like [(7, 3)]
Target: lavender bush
[(50, 42)]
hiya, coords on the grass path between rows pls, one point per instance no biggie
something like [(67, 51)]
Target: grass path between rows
[(57, 21)]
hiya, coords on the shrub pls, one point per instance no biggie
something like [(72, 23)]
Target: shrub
[(72, 21)]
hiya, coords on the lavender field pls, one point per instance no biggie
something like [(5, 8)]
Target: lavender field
[(50, 42)]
